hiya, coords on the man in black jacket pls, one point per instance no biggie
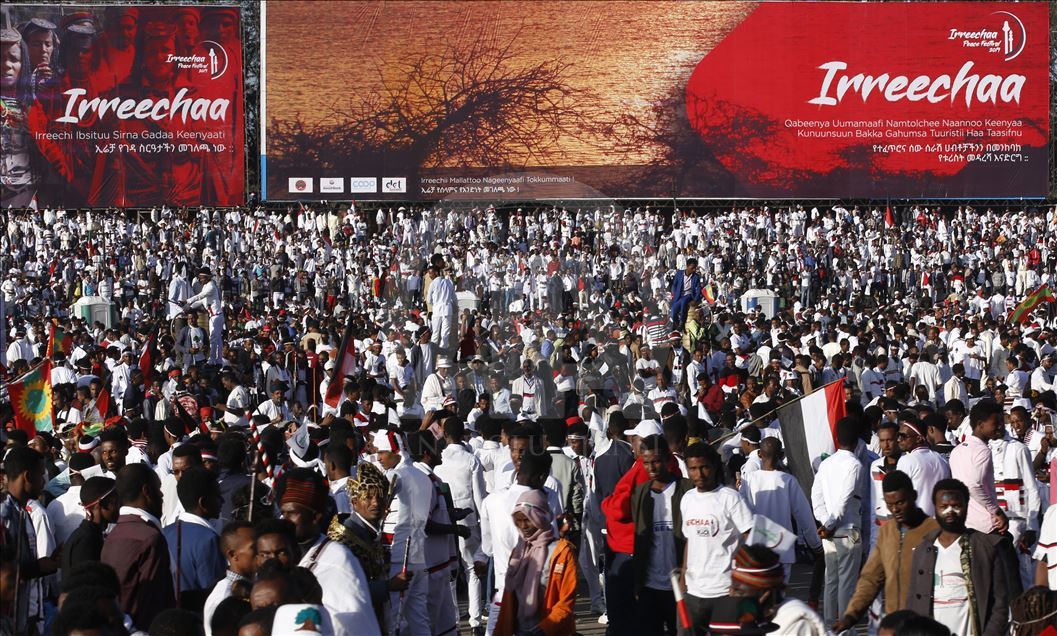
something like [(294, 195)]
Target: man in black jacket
[(958, 575), (658, 541)]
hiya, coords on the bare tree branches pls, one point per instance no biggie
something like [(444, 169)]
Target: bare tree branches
[(475, 104)]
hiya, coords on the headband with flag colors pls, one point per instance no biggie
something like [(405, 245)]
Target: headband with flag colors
[(31, 400)]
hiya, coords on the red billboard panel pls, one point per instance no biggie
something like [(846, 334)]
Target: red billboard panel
[(660, 99), (944, 99), (122, 106)]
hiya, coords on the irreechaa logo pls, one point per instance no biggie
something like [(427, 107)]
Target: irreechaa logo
[(1006, 36), (210, 58)]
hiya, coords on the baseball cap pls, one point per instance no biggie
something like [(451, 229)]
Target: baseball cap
[(645, 428)]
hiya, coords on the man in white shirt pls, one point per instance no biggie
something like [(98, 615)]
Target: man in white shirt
[(873, 380), (1046, 551), (715, 519), (340, 575), (500, 397), (955, 389), (924, 466), (462, 472), (1017, 380), (275, 409), (20, 348), (526, 393), (646, 369), (971, 356), (1018, 491), (236, 406), (404, 529), (441, 297), (1041, 379), (926, 373), (65, 512), (179, 292), (837, 507), (438, 386), (778, 496), (209, 299)]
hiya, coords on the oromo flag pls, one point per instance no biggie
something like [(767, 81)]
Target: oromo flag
[(58, 339), (31, 400), (1034, 299), (809, 429)]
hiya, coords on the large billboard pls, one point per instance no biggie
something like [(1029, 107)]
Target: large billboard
[(122, 106), (505, 100)]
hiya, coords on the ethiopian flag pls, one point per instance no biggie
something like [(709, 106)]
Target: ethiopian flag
[(709, 294), (1026, 306), (31, 399), (59, 340)]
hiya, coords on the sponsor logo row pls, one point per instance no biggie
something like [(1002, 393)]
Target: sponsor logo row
[(357, 185)]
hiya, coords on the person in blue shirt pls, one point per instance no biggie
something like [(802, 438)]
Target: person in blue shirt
[(194, 543)]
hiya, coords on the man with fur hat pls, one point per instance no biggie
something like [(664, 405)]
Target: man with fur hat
[(302, 502)]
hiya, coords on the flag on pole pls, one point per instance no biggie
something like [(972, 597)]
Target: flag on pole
[(31, 400), (809, 429), (890, 220), (146, 361), (58, 339), (344, 364), (96, 412), (1026, 306)]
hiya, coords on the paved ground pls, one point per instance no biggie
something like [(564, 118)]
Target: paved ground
[(587, 623)]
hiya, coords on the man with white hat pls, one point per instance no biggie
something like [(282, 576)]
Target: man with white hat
[(642, 430), (438, 386)]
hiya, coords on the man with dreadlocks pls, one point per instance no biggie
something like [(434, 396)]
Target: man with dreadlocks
[(1034, 613), (360, 532)]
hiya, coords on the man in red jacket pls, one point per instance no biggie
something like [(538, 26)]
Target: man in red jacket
[(620, 541)]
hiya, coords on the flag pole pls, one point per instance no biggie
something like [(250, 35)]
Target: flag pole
[(768, 414)]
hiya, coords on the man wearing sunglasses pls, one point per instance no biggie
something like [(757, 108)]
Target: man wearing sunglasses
[(924, 466)]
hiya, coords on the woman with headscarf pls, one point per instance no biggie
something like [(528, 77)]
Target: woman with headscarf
[(540, 586)]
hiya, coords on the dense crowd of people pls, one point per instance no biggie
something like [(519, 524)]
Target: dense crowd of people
[(344, 420)]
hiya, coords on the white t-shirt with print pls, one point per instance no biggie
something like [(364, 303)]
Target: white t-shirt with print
[(713, 523)]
